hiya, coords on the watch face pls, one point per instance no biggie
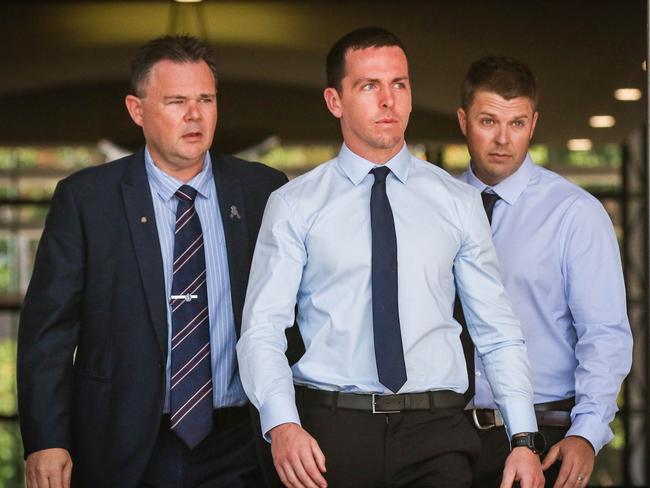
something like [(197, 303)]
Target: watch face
[(538, 442)]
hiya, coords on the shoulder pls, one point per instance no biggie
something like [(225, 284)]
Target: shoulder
[(579, 209), (561, 191), (307, 184), (441, 180), (103, 177)]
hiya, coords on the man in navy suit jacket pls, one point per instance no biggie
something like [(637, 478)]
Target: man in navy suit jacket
[(93, 344)]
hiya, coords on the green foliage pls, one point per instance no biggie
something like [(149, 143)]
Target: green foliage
[(11, 449)]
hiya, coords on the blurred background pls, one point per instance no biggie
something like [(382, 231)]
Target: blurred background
[(65, 75)]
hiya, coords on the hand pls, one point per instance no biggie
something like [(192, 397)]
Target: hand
[(48, 468), (523, 465), (297, 457), (577, 456)]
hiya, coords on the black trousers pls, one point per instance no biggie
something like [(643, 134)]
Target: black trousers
[(414, 449), (495, 448), (225, 459)]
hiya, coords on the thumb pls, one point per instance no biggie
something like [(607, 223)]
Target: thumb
[(551, 457)]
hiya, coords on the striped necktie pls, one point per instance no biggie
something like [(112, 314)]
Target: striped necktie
[(191, 375)]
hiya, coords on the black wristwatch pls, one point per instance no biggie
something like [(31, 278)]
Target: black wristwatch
[(534, 441)]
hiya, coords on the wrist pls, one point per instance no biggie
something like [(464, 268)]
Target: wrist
[(534, 441)]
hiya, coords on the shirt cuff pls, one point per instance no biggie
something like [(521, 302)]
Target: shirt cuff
[(275, 411), (591, 428), (518, 415)]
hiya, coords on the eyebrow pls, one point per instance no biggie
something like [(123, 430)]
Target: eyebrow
[(183, 97), (516, 117), (361, 81)]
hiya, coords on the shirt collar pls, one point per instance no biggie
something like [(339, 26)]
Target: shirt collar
[(165, 185), (510, 188), (357, 168)]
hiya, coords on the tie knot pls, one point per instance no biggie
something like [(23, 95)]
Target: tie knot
[(489, 197), (380, 173), (186, 192)]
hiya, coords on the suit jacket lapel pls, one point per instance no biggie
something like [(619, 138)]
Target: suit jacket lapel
[(144, 234), (235, 227)]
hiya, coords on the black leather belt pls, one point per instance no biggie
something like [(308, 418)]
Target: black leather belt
[(374, 403), (550, 414)]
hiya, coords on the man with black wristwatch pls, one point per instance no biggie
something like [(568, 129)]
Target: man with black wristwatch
[(561, 266), (369, 245)]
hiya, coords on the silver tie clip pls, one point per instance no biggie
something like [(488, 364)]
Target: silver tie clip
[(234, 212), (187, 298)]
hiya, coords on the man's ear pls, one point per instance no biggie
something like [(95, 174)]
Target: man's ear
[(134, 106), (534, 124), (333, 101), (462, 121)]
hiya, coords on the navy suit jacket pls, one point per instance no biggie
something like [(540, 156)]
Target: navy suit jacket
[(92, 340)]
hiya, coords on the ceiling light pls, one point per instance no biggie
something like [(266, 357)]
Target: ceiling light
[(602, 121), (644, 65), (188, 1), (627, 94), (579, 144)]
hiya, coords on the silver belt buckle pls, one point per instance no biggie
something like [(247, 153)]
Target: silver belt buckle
[(498, 420), (374, 406)]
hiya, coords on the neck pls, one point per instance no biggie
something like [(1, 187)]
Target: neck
[(375, 155)]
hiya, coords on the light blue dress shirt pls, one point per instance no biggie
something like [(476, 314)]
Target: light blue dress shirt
[(227, 388), (561, 266), (314, 248)]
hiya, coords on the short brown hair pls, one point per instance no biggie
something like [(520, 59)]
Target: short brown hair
[(178, 49), (356, 40), (508, 77)]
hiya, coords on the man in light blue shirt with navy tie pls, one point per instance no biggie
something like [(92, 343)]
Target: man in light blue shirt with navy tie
[(369, 246), (561, 266)]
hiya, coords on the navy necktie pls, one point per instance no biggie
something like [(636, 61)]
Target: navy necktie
[(191, 380), (489, 200), (389, 353)]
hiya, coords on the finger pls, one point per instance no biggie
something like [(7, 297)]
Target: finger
[(56, 478), (67, 475), (550, 457), (506, 481), (292, 477), (579, 470), (41, 478), (526, 482), (319, 457), (315, 476), (283, 475), (303, 476), (563, 475), (31, 479)]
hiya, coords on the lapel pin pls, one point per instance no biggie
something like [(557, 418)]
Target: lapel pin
[(234, 212), (143, 220)]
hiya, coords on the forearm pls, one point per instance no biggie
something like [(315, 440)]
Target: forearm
[(508, 372), (266, 375)]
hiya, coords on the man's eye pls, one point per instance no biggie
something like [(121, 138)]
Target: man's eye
[(367, 86), (400, 85), (519, 123), (487, 122), (206, 100)]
